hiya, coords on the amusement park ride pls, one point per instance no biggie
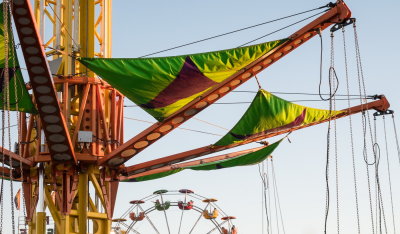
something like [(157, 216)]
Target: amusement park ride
[(76, 136), (189, 202)]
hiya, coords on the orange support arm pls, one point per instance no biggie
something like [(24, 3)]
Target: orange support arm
[(336, 14), (380, 105), (6, 172), (134, 173), (54, 124), (15, 159)]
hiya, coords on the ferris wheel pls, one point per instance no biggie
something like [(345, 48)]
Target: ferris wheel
[(175, 211)]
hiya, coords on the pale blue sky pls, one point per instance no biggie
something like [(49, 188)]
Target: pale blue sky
[(142, 27)]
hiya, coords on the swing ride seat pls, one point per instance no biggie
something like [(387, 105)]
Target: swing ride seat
[(134, 217), (185, 206)]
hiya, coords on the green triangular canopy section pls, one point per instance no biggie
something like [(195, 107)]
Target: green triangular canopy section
[(163, 85), (268, 113), (243, 160), (18, 93), (155, 176)]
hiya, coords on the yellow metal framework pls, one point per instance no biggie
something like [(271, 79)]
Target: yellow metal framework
[(71, 28)]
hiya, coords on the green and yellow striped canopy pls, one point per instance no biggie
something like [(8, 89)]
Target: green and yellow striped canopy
[(268, 113), (162, 86)]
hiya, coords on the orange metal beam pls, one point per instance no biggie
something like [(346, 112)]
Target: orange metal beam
[(81, 112), (134, 173), (101, 109), (15, 158), (336, 14), (379, 105), (54, 124), (6, 172)]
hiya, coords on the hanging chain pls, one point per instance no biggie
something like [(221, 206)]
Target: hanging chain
[(5, 73), (262, 198), (362, 81), (14, 67), (268, 208), (397, 139), (261, 170), (379, 198), (336, 172), (376, 149), (277, 194), (332, 77), (10, 50), (332, 91), (351, 132), (361, 87), (275, 197), (5, 107), (389, 174)]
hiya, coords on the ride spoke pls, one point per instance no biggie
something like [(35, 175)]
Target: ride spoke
[(217, 226), (130, 226), (198, 219), (133, 230), (124, 224), (149, 220), (180, 222), (165, 214)]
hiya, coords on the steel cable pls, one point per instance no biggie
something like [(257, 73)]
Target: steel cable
[(234, 31), (288, 26)]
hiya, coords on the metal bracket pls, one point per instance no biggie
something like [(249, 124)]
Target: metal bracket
[(343, 24), (380, 113)]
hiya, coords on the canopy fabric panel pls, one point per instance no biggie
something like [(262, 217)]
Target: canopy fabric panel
[(268, 113), (242, 160), (163, 85), (18, 94), (155, 176)]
